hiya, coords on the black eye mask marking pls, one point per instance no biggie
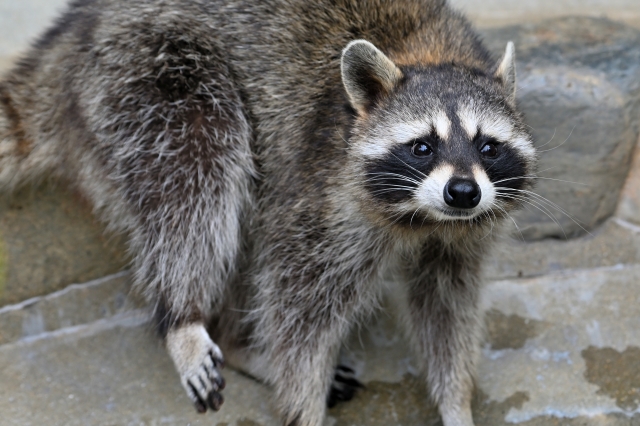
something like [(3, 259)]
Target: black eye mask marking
[(502, 163), (393, 178)]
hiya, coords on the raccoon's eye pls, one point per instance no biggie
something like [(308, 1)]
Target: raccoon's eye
[(421, 149), (489, 150)]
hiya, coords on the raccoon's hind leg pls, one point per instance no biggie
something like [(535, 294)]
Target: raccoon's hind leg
[(254, 363), (176, 140), (190, 240)]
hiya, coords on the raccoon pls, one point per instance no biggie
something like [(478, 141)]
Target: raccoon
[(274, 163)]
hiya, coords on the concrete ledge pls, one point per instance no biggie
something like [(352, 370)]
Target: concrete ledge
[(77, 304)]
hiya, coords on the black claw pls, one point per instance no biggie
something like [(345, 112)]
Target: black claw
[(217, 362), (199, 403), (348, 381), (220, 382), (345, 369), (200, 407), (215, 401), (340, 395)]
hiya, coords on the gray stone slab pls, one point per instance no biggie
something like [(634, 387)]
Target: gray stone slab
[(579, 86), (581, 351)]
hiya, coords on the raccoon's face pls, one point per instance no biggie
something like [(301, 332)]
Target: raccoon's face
[(435, 144)]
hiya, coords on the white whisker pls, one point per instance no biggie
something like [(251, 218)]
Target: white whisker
[(549, 141), (418, 171), (539, 177), (558, 146), (549, 203), (538, 206)]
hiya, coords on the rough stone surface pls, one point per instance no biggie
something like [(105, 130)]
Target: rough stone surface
[(114, 373), (579, 86), (616, 373), (589, 319), (49, 239), (574, 362)]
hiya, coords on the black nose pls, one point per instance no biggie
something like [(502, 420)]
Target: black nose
[(462, 193)]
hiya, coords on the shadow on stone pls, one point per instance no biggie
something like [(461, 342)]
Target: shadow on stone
[(51, 239)]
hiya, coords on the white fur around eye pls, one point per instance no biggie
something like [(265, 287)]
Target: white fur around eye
[(385, 139), (496, 126), (442, 125), (469, 120), (492, 125)]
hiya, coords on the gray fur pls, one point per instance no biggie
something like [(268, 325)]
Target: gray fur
[(218, 135)]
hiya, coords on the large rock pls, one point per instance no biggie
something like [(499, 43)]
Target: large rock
[(579, 86)]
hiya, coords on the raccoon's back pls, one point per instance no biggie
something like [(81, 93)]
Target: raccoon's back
[(112, 64)]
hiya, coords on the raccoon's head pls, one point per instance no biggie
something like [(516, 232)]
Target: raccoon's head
[(436, 143)]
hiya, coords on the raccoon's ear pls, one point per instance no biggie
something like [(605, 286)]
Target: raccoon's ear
[(506, 72), (367, 74)]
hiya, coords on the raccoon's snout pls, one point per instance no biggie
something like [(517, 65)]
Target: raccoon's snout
[(462, 193)]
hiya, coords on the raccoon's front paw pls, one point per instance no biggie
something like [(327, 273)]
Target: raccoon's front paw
[(198, 361)]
